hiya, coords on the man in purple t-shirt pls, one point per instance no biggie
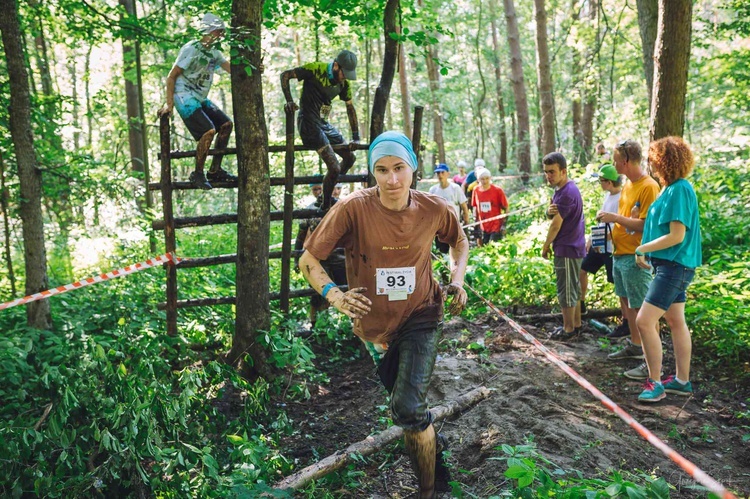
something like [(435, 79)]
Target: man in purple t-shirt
[(567, 235)]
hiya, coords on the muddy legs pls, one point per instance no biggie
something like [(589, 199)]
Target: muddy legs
[(421, 449)]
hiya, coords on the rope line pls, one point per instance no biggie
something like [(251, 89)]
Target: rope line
[(689, 467), (130, 269), (504, 215)]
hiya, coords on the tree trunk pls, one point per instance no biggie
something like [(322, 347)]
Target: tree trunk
[(590, 83), (576, 94), (437, 116), (519, 88), (87, 91), (30, 178), (546, 99), (133, 93), (499, 87), (253, 198), (4, 195), (390, 56), (483, 92), (404, 84), (75, 111), (672, 58), (648, 18)]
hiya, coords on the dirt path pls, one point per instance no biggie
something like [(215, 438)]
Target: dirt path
[(533, 401)]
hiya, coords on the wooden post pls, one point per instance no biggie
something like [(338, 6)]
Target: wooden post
[(416, 142), (286, 247), (169, 235)]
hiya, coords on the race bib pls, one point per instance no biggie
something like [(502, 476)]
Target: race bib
[(485, 206), (398, 283)]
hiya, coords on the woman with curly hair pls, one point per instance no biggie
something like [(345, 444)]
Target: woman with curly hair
[(672, 244)]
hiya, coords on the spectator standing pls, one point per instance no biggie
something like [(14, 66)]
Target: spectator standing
[(672, 244), (631, 281), (598, 256), (566, 235)]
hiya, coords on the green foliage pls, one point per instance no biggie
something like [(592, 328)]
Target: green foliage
[(536, 476)]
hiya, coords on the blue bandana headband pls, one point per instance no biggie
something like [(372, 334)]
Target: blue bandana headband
[(392, 144)]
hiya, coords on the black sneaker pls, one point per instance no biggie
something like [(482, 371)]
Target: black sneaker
[(559, 334), (584, 308), (198, 179), (221, 175), (442, 472), (620, 331)]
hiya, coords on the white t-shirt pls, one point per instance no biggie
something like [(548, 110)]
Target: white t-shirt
[(611, 203), (198, 64), (453, 194)]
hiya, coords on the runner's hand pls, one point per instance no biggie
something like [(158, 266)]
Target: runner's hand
[(291, 106), (166, 110), (353, 303), (552, 211), (459, 297)]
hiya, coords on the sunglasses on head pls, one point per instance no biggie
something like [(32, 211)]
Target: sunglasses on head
[(622, 146)]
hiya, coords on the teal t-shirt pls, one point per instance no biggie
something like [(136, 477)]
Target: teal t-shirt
[(676, 203)]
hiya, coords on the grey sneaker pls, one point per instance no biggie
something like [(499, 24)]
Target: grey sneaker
[(629, 351), (639, 373)]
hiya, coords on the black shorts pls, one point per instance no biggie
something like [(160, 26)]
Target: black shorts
[(206, 117), (594, 261), (318, 133)]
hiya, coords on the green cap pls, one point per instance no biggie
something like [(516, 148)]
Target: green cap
[(609, 172)]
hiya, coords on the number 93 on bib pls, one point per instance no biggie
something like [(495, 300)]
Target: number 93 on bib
[(398, 282)]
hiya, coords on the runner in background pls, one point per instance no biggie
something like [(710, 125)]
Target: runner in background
[(488, 201)]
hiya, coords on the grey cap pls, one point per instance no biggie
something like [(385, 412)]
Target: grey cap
[(210, 23), (348, 62)]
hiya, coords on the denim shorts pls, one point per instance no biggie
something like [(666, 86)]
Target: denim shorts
[(671, 279)]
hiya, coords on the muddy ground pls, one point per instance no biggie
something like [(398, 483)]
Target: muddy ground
[(533, 400)]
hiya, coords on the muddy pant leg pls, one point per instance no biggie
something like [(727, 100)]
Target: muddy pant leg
[(417, 349), (334, 169), (201, 151), (222, 139), (347, 160), (421, 449)]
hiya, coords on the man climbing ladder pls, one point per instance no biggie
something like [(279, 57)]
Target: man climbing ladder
[(188, 84), (322, 81)]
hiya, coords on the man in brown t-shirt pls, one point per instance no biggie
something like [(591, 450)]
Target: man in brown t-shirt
[(394, 301)]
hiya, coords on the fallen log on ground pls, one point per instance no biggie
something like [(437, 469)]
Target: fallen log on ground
[(376, 442), (591, 314)]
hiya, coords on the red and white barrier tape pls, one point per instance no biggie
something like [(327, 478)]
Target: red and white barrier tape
[(504, 215), (130, 269), (691, 469)]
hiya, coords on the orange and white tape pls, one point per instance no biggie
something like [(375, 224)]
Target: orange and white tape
[(691, 469), (130, 269), (504, 215)]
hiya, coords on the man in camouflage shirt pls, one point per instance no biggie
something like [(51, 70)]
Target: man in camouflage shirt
[(322, 82)]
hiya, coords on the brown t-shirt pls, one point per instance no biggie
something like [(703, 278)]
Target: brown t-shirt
[(388, 248)]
